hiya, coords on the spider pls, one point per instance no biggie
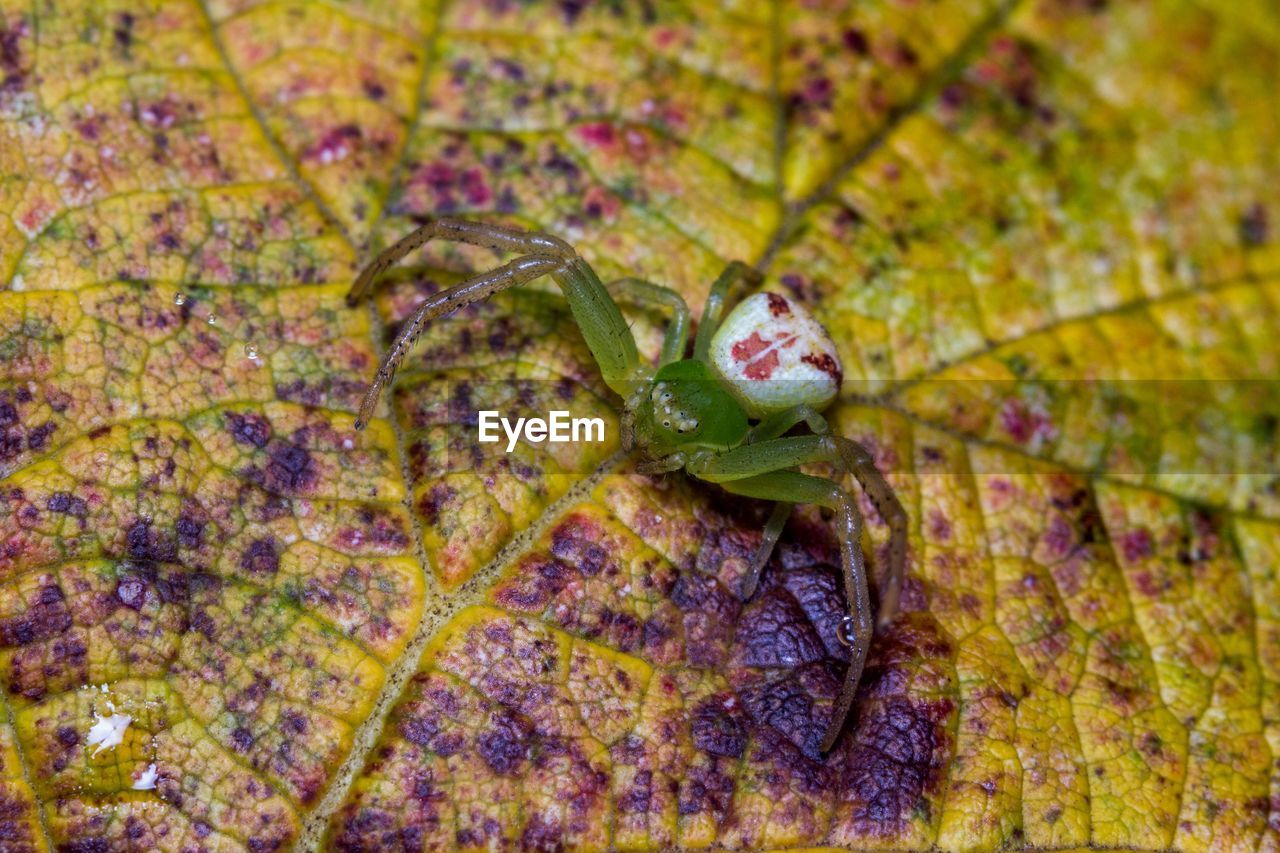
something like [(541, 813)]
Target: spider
[(724, 414)]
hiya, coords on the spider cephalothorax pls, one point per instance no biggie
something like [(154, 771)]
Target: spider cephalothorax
[(723, 412), (683, 410)]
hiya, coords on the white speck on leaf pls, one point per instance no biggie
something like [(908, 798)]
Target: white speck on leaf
[(146, 780), (108, 732)]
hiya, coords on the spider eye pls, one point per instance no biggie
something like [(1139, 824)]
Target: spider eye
[(666, 424)]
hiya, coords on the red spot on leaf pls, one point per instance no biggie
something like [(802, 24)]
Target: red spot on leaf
[(1024, 424), (335, 145), (598, 134), (1148, 585), (939, 527), (475, 189), (664, 36), (1136, 545), (161, 114)]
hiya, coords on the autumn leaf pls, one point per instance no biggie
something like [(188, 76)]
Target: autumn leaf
[(1043, 234)]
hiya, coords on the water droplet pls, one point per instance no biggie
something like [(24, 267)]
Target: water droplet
[(180, 299), (251, 350), (845, 632)]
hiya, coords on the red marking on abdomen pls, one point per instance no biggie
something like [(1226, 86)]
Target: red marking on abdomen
[(747, 349), (825, 363), (762, 368)]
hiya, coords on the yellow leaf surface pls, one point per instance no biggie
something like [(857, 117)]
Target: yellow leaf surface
[(1045, 235)]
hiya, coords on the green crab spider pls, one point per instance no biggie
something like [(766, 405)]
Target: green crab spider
[(723, 415)]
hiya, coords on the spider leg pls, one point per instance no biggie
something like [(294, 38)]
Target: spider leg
[(599, 320), (859, 462), (494, 237), (602, 325), (772, 531), (779, 423), (663, 465), (628, 427), (757, 470), (860, 625), (773, 453), (713, 308), (472, 290), (792, 486), (776, 426), (641, 292)]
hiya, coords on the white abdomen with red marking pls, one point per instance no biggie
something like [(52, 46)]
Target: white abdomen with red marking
[(776, 356)]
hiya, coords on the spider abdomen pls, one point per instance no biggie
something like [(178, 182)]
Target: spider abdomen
[(774, 355)]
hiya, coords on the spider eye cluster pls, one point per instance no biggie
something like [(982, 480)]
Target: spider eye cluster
[(669, 416)]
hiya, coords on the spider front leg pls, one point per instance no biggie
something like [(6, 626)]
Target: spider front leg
[(760, 470), (642, 293), (713, 308), (663, 464), (496, 237), (768, 541), (776, 426), (794, 487), (854, 458), (595, 312), (858, 462), (780, 423), (471, 290)]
